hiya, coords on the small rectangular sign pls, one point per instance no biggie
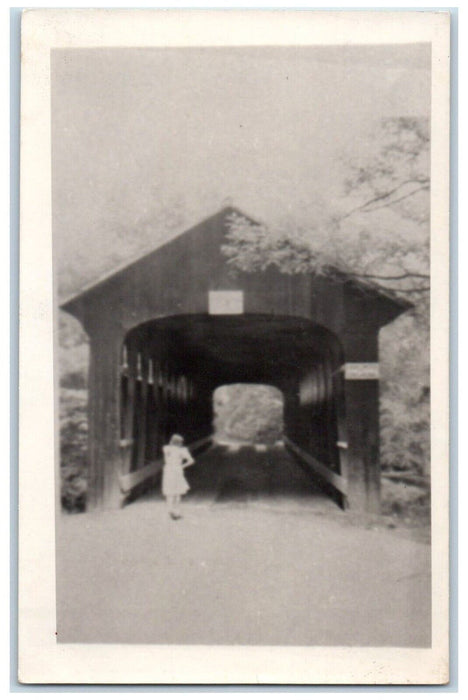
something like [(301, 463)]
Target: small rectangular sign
[(361, 370), (226, 301)]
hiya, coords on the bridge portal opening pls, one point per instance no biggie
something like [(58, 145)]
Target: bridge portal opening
[(248, 414), (180, 374), (248, 459)]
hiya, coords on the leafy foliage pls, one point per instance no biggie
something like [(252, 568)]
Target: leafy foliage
[(378, 231), (73, 449), (405, 395), (73, 353), (248, 413), (397, 173), (411, 503)]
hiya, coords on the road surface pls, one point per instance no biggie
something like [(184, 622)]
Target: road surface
[(260, 557)]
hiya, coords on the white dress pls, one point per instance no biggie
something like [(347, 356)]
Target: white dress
[(176, 459)]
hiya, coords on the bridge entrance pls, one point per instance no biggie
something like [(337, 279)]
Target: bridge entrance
[(175, 372), (248, 460), (169, 328)]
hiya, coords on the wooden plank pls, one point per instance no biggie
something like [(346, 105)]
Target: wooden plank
[(412, 479), (127, 482), (332, 419), (142, 421), (362, 424), (126, 441), (129, 408), (339, 410), (199, 443), (104, 418), (362, 371), (335, 480)]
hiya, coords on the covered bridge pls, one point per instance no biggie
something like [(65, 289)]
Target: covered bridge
[(168, 329)]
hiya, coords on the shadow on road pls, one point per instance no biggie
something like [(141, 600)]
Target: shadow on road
[(241, 473)]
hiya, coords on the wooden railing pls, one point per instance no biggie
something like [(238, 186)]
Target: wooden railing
[(331, 477), (127, 482)]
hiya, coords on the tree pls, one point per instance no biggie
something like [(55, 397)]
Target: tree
[(377, 232)]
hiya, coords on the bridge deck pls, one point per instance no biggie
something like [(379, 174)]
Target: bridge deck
[(242, 472)]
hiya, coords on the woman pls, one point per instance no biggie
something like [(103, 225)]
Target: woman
[(174, 484)]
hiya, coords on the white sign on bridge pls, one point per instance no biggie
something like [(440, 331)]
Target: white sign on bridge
[(226, 301), (361, 370)]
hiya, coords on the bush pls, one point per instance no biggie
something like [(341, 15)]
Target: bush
[(74, 380), (405, 395), (405, 432), (405, 501), (73, 449)]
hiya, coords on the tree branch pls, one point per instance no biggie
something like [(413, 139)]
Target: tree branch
[(400, 199), (386, 195), (405, 291), (395, 277)]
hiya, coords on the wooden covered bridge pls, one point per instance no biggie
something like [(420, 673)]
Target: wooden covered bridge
[(168, 329)]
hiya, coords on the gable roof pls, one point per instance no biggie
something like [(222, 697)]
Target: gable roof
[(143, 257), (222, 214)]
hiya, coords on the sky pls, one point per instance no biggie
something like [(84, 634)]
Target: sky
[(145, 140)]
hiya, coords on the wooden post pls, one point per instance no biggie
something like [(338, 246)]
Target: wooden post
[(339, 409), (142, 420), (103, 412), (157, 394), (127, 409), (362, 421)]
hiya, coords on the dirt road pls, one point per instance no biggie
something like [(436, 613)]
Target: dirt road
[(274, 568)]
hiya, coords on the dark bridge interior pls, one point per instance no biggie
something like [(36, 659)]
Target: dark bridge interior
[(171, 367)]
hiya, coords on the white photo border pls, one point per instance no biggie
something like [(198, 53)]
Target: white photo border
[(41, 659)]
